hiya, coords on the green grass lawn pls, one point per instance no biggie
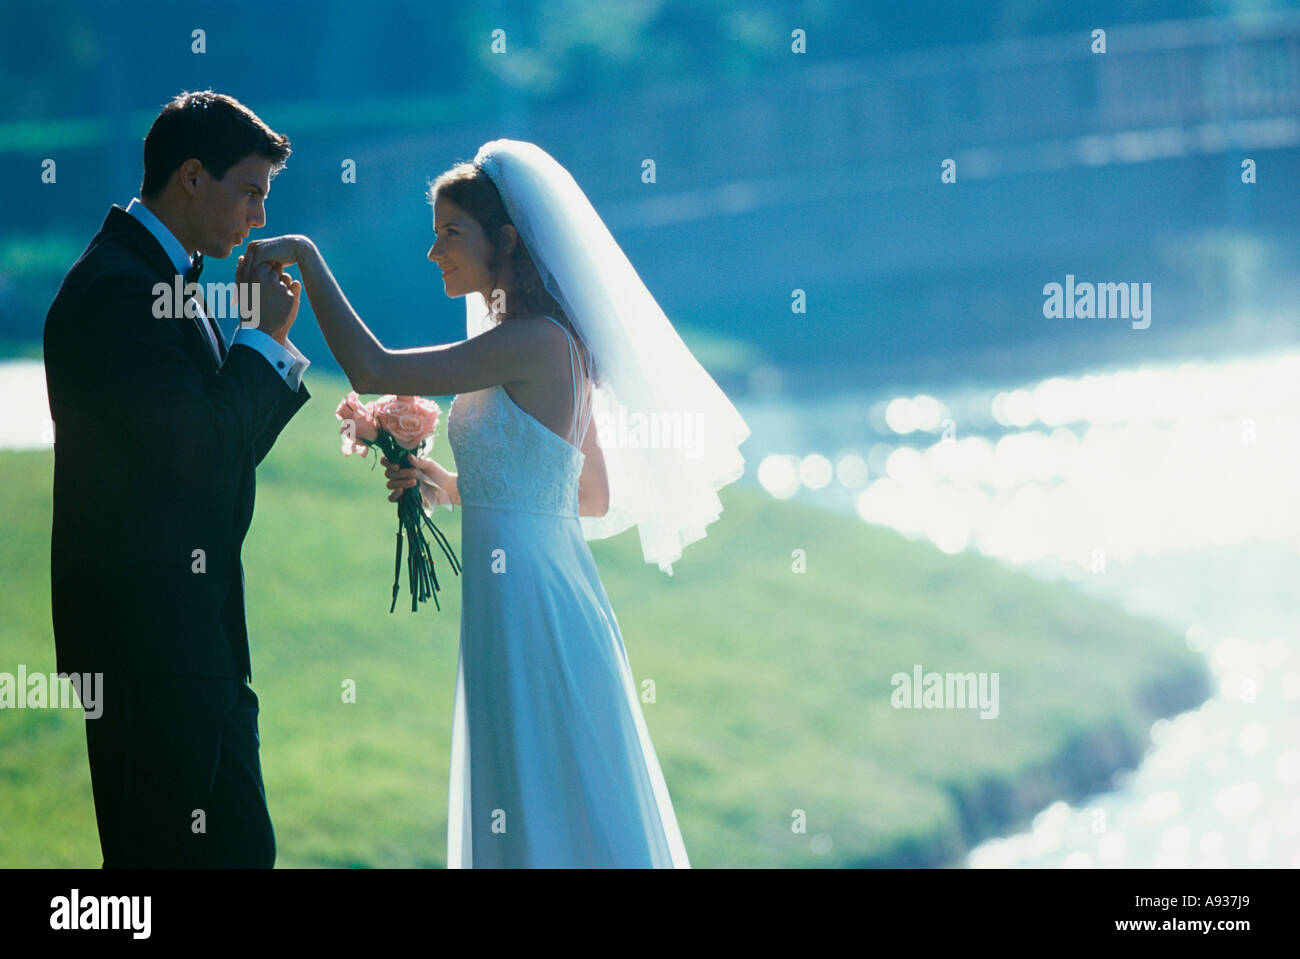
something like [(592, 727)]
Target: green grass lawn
[(772, 686)]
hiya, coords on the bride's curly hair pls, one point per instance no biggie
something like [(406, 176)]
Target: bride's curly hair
[(470, 188)]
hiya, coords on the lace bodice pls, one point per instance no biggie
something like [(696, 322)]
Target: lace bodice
[(507, 459)]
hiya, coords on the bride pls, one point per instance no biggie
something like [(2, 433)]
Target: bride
[(551, 761)]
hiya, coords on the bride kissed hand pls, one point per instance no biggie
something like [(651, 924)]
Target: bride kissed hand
[(281, 250)]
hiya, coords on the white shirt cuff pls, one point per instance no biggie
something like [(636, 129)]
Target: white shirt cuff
[(286, 360)]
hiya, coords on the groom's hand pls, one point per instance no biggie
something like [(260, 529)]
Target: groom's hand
[(278, 299)]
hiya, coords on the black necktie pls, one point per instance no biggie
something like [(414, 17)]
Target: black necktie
[(196, 267)]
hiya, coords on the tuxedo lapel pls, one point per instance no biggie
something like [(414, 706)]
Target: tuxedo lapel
[(221, 339), (137, 236), (211, 362)]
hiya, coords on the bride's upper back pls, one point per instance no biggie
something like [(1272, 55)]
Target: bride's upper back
[(551, 399)]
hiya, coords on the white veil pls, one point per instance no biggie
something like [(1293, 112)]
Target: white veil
[(669, 435)]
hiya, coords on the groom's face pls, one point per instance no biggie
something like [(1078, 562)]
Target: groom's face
[(232, 207)]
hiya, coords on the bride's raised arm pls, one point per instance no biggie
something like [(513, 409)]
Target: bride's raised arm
[(505, 354)]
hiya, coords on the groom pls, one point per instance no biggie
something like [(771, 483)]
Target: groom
[(158, 429)]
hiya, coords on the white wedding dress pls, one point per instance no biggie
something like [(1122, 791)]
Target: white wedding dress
[(551, 761)]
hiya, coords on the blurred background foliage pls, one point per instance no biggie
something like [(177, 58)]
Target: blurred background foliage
[(753, 145)]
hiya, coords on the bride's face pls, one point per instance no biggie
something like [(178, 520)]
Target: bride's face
[(461, 250)]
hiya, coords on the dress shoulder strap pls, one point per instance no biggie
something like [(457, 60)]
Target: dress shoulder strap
[(574, 365)]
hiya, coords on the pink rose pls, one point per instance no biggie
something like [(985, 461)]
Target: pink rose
[(409, 419), (394, 405), (350, 445), (358, 424)]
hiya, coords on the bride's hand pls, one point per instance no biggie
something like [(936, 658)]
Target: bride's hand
[(399, 479), (281, 251)]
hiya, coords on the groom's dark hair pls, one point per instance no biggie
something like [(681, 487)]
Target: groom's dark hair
[(215, 129)]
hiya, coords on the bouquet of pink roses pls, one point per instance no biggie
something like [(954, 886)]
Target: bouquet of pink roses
[(400, 427)]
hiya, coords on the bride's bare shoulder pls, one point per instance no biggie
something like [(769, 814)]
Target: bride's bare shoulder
[(547, 331), (545, 341), (534, 330)]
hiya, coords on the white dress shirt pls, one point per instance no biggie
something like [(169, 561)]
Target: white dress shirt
[(285, 360)]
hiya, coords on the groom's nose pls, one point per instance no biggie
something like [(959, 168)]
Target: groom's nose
[(258, 217)]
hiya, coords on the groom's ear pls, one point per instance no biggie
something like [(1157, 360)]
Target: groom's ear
[(187, 176)]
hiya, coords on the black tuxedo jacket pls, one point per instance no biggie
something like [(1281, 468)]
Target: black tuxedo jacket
[(155, 447)]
